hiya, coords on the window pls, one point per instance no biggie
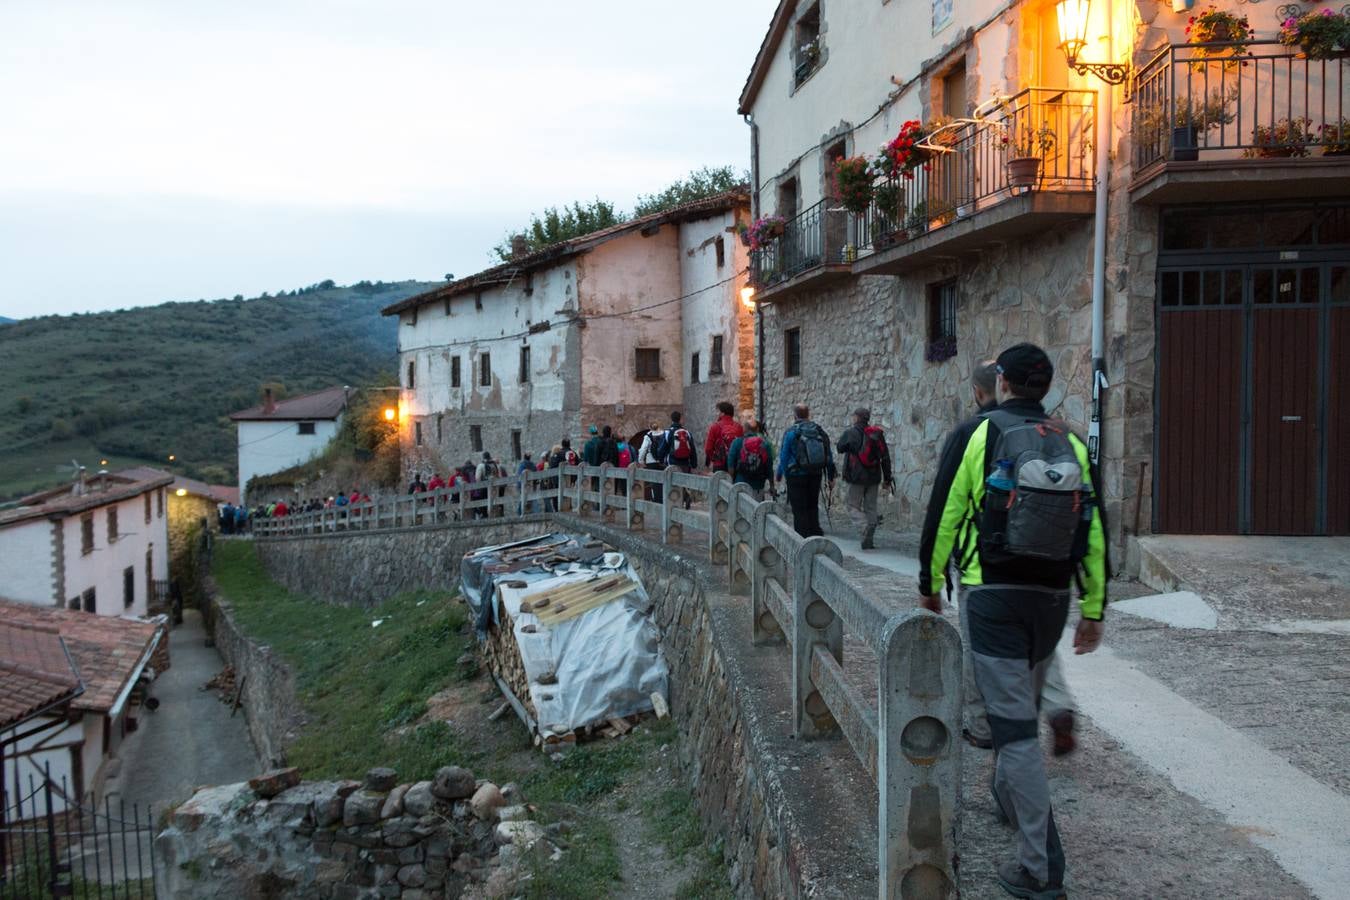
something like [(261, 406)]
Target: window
[(476, 438), (412, 319), (806, 48), (448, 311), (792, 352), (412, 374), (524, 365), (112, 524), (454, 371), (417, 433), (829, 187), (516, 452), (147, 509), (693, 369), (304, 428), (529, 284), (721, 247), (478, 300), (941, 320), (150, 572), (159, 504), (87, 533), (128, 587), (715, 358), (787, 198), (440, 433), (74, 603), (90, 598), (485, 369), (954, 102), (647, 362)]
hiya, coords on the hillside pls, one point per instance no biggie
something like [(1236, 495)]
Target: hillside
[(137, 385)]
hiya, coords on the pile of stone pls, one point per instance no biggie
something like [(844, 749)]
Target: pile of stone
[(453, 836)]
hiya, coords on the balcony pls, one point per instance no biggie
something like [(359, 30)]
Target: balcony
[(1253, 121), (965, 198), (808, 254)]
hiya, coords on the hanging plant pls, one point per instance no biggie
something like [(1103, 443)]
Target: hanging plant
[(942, 349), (853, 183), (1286, 138), (902, 155), (1214, 26), (1320, 35), (762, 231), (1335, 137)]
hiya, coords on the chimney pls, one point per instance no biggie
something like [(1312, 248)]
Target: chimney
[(81, 488), (519, 247), (269, 405), (103, 483)]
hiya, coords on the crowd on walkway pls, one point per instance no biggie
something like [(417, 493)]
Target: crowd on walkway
[(236, 519)]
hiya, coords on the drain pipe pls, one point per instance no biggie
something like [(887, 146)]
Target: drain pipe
[(759, 307), (1105, 95)]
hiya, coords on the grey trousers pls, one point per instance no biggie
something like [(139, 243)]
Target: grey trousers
[(862, 504), (1013, 633)]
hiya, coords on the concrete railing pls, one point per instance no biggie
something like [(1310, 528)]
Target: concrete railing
[(800, 595)]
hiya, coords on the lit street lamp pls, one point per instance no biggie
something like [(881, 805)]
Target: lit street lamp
[(1073, 28)]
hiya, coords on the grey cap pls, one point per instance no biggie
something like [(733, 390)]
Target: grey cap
[(863, 413)]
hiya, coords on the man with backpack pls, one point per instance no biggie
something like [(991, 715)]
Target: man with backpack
[(804, 460), (677, 449), (867, 466), (1016, 501), (721, 435), (750, 460)]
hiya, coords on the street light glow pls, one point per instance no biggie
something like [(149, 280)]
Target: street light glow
[(389, 413), (748, 297), (1073, 26), (172, 457), (181, 492)]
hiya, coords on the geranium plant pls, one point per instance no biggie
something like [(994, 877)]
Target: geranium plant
[(1335, 137), (1215, 26), (1287, 137), (764, 230), (902, 155), (1320, 34), (853, 181)]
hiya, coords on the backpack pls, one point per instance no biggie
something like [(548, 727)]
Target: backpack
[(681, 446), (660, 449), (1037, 503), (873, 452), (572, 458), (810, 451), (753, 463), (625, 456)]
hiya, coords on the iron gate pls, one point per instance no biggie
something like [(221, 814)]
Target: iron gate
[(53, 846)]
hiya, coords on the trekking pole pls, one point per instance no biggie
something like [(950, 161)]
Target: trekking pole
[(829, 502)]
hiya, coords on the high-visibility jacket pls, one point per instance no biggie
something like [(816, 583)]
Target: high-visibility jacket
[(951, 529)]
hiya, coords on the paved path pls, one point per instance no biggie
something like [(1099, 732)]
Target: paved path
[(1281, 800), (191, 740)]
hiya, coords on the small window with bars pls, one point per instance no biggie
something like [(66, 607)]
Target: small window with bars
[(476, 438), (942, 298), (715, 358), (792, 352), (454, 372), (485, 370), (524, 365), (693, 368), (647, 362)]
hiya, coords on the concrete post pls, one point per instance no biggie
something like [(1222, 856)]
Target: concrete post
[(918, 760), (738, 533), (813, 622), (667, 488), (767, 564), (719, 487), (634, 518)]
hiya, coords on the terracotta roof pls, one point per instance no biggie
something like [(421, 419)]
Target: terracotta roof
[(325, 404), (220, 493), (224, 493), (504, 273), (108, 651), (63, 501), (36, 672), (778, 26)]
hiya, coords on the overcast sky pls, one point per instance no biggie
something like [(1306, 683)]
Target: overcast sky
[(166, 150)]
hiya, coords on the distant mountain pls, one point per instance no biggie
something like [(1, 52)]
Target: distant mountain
[(137, 385), (5, 320)]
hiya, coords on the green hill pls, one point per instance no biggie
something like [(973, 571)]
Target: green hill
[(137, 385)]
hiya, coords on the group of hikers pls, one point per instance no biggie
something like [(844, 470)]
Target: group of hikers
[(235, 518)]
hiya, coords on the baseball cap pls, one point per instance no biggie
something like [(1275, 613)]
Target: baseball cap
[(1026, 365), (594, 430), (863, 413)]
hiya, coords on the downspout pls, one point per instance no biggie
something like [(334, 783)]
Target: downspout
[(759, 307), (1105, 95)]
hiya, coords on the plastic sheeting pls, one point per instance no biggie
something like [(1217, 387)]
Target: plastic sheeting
[(607, 661)]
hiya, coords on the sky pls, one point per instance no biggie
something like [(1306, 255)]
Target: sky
[(161, 150)]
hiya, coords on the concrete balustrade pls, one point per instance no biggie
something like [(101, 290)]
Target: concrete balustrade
[(801, 595)]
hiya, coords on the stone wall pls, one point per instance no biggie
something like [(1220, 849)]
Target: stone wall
[(269, 699)]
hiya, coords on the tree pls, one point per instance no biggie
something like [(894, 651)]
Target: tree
[(700, 183), (557, 225)]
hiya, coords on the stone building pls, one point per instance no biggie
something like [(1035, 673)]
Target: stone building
[(618, 327), (1223, 289)]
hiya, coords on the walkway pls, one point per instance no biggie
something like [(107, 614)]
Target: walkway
[(191, 740), (1261, 770)]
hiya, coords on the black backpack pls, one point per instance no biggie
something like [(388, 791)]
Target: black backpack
[(811, 450), (1038, 503)]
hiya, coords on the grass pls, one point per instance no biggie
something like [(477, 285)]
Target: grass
[(27, 470), (672, 821), (363, 689)]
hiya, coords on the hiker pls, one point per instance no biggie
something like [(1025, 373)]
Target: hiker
[(803, 461), (590, 455), (651, 457), (623, 459), (678, 449), (1016, 497), (867, 466), (608, 453), (750, 458), (721, 434)]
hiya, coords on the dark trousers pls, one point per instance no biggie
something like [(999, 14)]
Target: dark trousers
[(655, 491), (1013, 632), (803, 493)]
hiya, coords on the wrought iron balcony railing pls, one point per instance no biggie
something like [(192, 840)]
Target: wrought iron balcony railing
[(1239, 100), (1049, 130), (803, 245)]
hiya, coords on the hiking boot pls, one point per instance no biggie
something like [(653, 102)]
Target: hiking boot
[(1018, 882), (1061, 723), (982, 743), (868, 534)]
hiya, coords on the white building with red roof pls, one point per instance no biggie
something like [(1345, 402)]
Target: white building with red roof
[(278, 434)]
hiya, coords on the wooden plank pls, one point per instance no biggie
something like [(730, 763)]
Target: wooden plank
[(557, 613), (619, 725)]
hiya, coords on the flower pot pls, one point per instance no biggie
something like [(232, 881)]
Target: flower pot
[(1023, 171), (1185, 147)]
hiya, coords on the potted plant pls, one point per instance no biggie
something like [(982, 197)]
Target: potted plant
[(1026, 146), (1189, 117), (1286, 138), (902, 155), (917, 222), (940, 350), (886, 201), (1320, 35), (1214, 26), (765, 229), (1335, 138), (853, 182), (940, 213)]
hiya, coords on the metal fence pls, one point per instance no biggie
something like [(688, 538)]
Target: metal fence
[(52, 846), (814, 237), (801, 595), (1227, 100)]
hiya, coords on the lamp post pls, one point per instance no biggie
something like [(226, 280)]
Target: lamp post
[(1073, 27)]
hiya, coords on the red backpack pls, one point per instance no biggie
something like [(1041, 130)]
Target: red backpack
[(873, 450), (753, 464), (682, 446)]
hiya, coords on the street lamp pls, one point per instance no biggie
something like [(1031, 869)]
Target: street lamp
[(172, 457), (1073, 27), (748, 297), (390, 413), (181, 492)]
